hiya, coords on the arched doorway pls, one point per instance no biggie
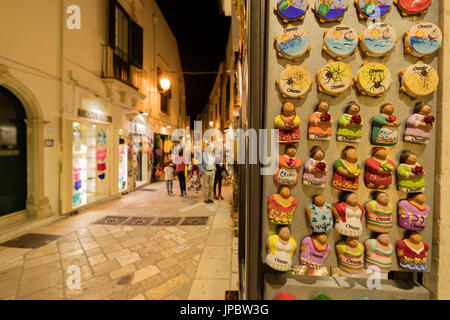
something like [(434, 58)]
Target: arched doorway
[(13, 154)]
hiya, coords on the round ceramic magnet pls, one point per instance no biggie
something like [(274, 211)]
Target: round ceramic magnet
[(423, 39), (373, 79), (294, 82), (334, 78), (291, 10), (330, 10), (412, 7), (340, 41), (378, 40), (293, 43), (419, 80), (373, 8)]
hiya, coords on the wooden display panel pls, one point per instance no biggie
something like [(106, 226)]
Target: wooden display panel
[(370, 107)]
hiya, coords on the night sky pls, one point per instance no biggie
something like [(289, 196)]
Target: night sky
[(202, 33)]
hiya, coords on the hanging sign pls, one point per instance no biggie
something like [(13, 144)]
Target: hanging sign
[(91, 115)]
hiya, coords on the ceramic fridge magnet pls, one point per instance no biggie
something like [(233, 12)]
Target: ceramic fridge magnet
[(385, 127), (373, 8), (320, 215), (373, 79), (348, 215), (378, 40), (315, 173), (294, 82), (334, 78), (420, 124), (288, 170), (379, 212), (288, 122), (315, 251), (285, 296), (379, 170), (419, 80), (347, 170), (330, 10), (410, 174), (423, 39), (340, 41), (280, 249), (320, 122), (350, 254), (412, 7), (350, 124), (282, 206), (379, 252), (291, 10), (413, 212), (412, 253), (293, 43)]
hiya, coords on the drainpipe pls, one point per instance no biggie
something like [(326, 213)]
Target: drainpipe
[(63, 101)]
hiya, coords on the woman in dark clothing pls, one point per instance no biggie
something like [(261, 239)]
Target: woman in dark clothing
[(220, 171), (180, 172)]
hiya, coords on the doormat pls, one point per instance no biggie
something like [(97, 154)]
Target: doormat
[(30, 241), (112, 220), (195, 221), (139, 221), (167, 221)]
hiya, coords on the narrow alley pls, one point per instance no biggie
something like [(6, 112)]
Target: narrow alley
[(146, 245)]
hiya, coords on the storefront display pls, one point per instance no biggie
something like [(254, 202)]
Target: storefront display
[(379, 252), (340, 41), (378, 40), (330, 10), (293, 43), (373, 8), (288, 123), (334, 78), (419, 80), (320, 123), (315, 173), (294, 82), (123, 163), (420, 124), (350, 124)]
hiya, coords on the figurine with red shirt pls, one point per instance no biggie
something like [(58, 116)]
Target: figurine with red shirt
[(289, 166), (379, 170), (282, 206), (412, 253), (348, 215)]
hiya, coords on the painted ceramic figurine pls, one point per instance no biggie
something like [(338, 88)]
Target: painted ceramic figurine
[(378, 40), (423, 39), (315, 174), (330, 10), (410, 174), (280, 249), (291, 10), (350, 254), (379, 252), (373, 79), (293, 43), (288, 171), (420, 124), (412, 7), (340, 41), (379, 212), (320, 123), (373, 8), (315, 251), (350, 124), (412, 253), (348, 215), (320, 215), (288, 123), (384, 130), (419, 80), (282, 206), (413, 212), (379, 170), (347, 170)]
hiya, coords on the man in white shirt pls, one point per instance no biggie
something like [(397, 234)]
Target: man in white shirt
[(168, 174)]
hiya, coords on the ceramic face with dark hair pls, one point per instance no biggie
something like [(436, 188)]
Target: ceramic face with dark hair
[(350, 124), (410, 174), (315, 173), (280, 249), (379, 213), (347, 170), (419, 125)]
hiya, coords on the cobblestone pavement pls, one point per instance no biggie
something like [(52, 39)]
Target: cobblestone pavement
[(130, 262)]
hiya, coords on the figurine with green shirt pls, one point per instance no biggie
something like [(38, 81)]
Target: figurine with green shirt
[(350, 124), (410, 174), (384, 131)]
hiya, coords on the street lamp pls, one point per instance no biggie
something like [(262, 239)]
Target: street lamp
[(165, 84), (211, 124)]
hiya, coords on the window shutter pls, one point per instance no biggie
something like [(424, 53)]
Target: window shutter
[(112, 23), (137, 48)]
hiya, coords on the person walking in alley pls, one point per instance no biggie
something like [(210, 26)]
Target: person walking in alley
[(168, 172), (181, 171), (220, 173), (208, 174)]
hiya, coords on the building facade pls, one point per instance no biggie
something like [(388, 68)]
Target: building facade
[(80, 87)]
